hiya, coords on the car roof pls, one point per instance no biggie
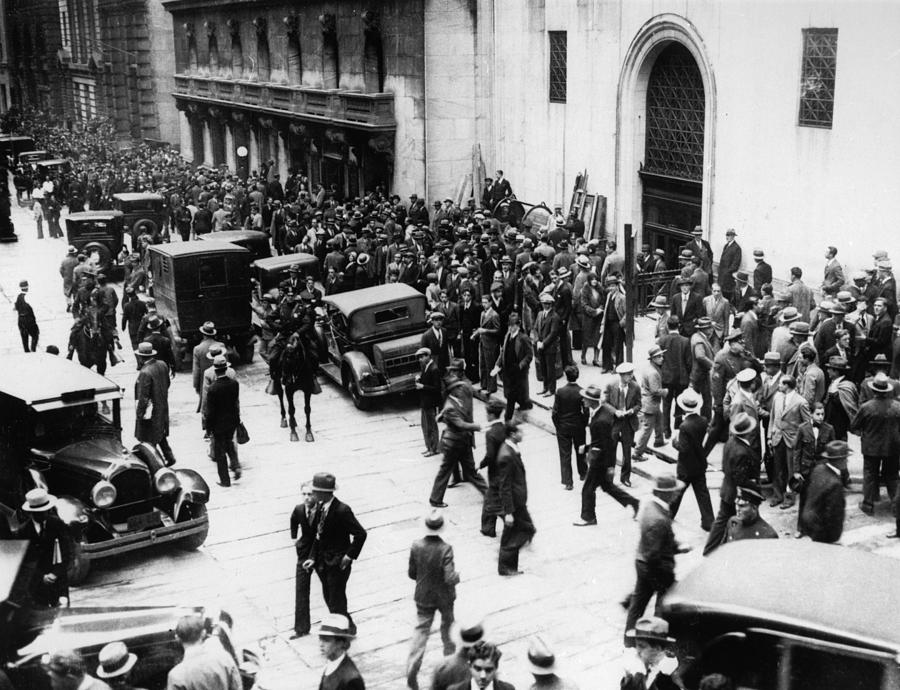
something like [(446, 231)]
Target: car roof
[(47, 382), (53, 161), (197, 247), (25, 153), (136, 196), (349, 302), (273, 263), (10, 137), (235, 235), (12, 555), (783, 583), (88, 215)]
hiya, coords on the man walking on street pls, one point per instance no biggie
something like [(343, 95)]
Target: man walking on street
[(569, 422), (692, 463), (494, 436), (431, 566), (513, 361), (825, 505), (151, 391), (28, 328), (303, 520), (428, 384), (518, 528), (199, 361), (222, 416), (652, 395)]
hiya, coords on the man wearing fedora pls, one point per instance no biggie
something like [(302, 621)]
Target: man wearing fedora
[(652, 665), (437, 342), (339, 541), (48, 550), (621, 404), (512, 363), (822, 515), (612, 324), (692, 463), (432, 567), (878, 425), (661, 305), (655, 559), (740, 464), (812, 440), (428, 383), (200, 363), (746, 522), (729, 262), (841, 397), (548, 330), (743, 293), (27, 322), (159, 342), (687, 306), (151, 393), (652, 395), (221, 418), (542, 664), (518, 528), (303, 521), (494, 436), (601, 460), (67, 671), (114, 666), (569, 422)]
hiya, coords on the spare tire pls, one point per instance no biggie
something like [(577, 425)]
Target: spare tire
[(104, 256), (145, 226)]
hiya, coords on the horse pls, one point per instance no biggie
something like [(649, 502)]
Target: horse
[(293, 367)]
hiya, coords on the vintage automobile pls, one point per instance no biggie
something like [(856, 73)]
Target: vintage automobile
[(12, 146), (144, 214), (200, 281), (97, 233), (28, 157), (255, 241), (778, 614), (49, 167), (371, 337), (270, 272), (60, 428)]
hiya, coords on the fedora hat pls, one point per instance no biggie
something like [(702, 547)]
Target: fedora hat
[(471, 633), (789, 314), (215, 350), (655, 351), (457, 364), (145, 350), (750, 491), (667, 484), (837, 308), (660, 301), (880, 383), (208, 328), (592, 393), (703, 322), (324, 481), (563, 272), (115, 660), (684, 280), (38, 500), (154, 322), (880, 360), (746, 375), (799, 328), (434, 522), (583, 261), (836, 450), (742, 424), (220, 362), (651, 628), (541, 659), (295, 268), (689, 400), (740, 276), (837, 362), (335, 625)]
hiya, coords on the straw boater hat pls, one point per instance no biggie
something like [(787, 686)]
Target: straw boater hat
[(220, 363), (335, 625), (115, 660), (145, 350), (625, 368), (789, 315), (773, 358), (541, 659), (436, 316), (651, 629), (423, 351), (38, 500), (689, 400), (208, 328), (660, 302), (746, 375)]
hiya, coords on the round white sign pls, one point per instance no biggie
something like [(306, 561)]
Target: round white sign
[(242, 151)]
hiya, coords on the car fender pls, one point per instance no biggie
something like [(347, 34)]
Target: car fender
[(358, 364), (194, 489)]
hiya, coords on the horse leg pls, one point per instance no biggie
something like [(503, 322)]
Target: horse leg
[(307, 395), (281, 404), (293, 422)]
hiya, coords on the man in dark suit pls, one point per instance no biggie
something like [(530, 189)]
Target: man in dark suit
[(340, 673), (512, 363), (563, 305), (622, 404), (518, 528), (500, 190), (823, 509), (740, 464), (339, 540), (601, 460), (221, 417), (701, 249), (687, 306), (493, 438), (49, 554), (812, 439), (303, 519), (569, 421), (548, 330), (437, 342), (428, 384), (431, 566), (484, 660), (729, 264), (762, 274), (676, 370), (691, 468), (878, 425)]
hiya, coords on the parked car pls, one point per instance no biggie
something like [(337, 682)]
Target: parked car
[(144, 214), (779, 614), (371, 337), (254, 240), (58, 431), (270, 272), (97, 233), (46, 168), (12, 146), (202, 281)]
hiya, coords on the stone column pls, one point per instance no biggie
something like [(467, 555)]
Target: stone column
[(254, 150), (281, 156), (207, 144), (184, 131), (229, 148)]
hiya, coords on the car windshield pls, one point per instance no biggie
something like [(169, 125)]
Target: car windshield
[(390, 314), (68, 423)]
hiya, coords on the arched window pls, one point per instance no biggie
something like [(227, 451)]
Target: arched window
[(263, 70), (294, 66), (331, 69), (213, 49), (192, 46), (373, 54)]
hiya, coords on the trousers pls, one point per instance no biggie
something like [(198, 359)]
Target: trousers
[(453, 456), (514, 537), (424, 620), (717, 531), (877, 469), (430, 428), (675, 390), (334, 588), (600, 475), (566, 442), (697, 482), (651, 423), (301, 600), (649, 581)]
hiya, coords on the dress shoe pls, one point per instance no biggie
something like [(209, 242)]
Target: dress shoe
[(867, 509), (223, 485), (492, 535), (453, 484), (626, 602), (595, 363), (585, 523), (584, 360), (639, 458), (659, 444), (626, 482), (787, 503), (237, 475), (430, 453), (510, 573), (438, 504), (581, 477), (568, 487)]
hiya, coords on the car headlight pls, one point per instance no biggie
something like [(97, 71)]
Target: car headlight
[(165, 480), (103, 494)]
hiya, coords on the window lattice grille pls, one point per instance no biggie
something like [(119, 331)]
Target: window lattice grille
[(558, 66), (817, 77), (676, 108)]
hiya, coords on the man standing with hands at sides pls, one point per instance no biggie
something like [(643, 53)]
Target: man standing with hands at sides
[(28, 328), (303, 518), (431, 566), (568, 420), (428, 384), (518, 529), (513, 361), (691, 467), (339, 540), (622, 403), (547, 330), (493, 439)]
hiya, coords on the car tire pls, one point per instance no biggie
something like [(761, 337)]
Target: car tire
[(79, 566), (145, 226), (103, 254), (360, 402), (193, 511)]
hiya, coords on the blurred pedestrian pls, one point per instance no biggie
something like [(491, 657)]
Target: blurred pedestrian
[(303, 521), (49, 549), (28, 327), (340, 673), (652, 395), (115, 663), (824, 506), (542, 663), (67, 271), (494, 436), (202, 667), (651, 666), (67, 671)]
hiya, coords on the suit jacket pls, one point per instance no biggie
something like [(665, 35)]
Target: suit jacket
[(549, 327), (651, 389), (689, 443), (152, 388), (345, 677), (762, 274), (693, 310), (638, 681), (439, 351), (719, 312), (307, 529), (740, 463), (656, 546), (568, 411), (834, 275), (513, 487), (823, 508), (467, 684), (457, 415), (48, 553), (430, 378), (431, 566), (630, 403), (563, 303), (341, 535), (809, 446), (223, 410), (801, 298), (729, 263), (702, 249), (523, 355), (789, 411), (878, 425), (677, 360)]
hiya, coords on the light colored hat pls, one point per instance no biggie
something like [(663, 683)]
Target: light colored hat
[(655, 351), (541, 659), (652, 629), (115, 660), (335, 625), (423, 351), (208, 328), (38, 500), (145, 350), (625, 368), (220, 362), (592, 393), (746, 375), (546, 298), (689, 400)]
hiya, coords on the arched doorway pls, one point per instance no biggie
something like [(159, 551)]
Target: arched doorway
[(672, 171)]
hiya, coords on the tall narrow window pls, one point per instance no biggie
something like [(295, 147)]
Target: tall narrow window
[(237, 50), (817, 77), (65, 33), (558, 65), (293, 59), (263, 71), (191, 46), (331, 69), (373, 54), (212, 44)]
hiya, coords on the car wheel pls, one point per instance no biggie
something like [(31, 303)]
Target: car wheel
[(104, 256), (79, 566), (145, 226), (193, 511), (359, 401)]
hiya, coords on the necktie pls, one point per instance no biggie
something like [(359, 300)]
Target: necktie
[(624, 392), (320, 526)]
